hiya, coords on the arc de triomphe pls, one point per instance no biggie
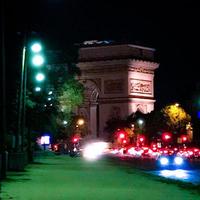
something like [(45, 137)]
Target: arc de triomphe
[(118, 81)]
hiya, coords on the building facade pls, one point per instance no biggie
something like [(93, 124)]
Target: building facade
[(118, 81)]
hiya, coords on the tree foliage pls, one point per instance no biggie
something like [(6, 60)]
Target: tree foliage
[(71, 95), (67, 93), (171, 118), (176, 117)]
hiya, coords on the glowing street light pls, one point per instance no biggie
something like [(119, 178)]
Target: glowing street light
[(80, 122), (36, 47), (140, 121), (40, 77), (38, 89), (64, 122), (38, 60), (177, 104)]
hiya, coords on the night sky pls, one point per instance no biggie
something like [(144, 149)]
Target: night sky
[(171, 29)]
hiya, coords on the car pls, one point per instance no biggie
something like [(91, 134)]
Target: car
[(171, 162)]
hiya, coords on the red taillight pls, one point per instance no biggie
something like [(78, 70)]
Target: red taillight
[(121, 136), (167, 137), (75, 140), (184, 138), (141, 139), (124, 141), (56, 147)]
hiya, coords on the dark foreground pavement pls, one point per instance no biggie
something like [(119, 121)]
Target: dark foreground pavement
[(61, 177)]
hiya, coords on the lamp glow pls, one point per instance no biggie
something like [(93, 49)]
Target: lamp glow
[(36, 47), (164, 161), (178, 160), (45, 139), (40, 77), (140, 121), (38, 89), (37, 60)]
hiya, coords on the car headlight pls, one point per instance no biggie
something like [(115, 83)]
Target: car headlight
[(164, 161), (178, 160)]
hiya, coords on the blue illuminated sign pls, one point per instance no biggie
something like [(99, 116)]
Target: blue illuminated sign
[(45, 139), (198, 114)]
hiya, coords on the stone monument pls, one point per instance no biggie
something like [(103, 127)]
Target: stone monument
[(118, 81)]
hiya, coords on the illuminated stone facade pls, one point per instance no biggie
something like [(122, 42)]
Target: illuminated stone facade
[(118, 80)]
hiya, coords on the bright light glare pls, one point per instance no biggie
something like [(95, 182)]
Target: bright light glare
[(115, 151), (45, 139), (167, 137), (64, 122), (140, 121), (94, 150), (80, 122), (164, 161), (121, 135), (182, 174), (40, 77), (38, 89), (36, 47), (178, 160), (166, 173), (38, 60)]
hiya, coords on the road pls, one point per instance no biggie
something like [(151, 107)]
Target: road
[(61, 177), (188, 175)]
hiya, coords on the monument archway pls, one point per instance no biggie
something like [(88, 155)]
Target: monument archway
[(118, 81), (90, 109)]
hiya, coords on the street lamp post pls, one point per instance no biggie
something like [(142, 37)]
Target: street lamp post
[(37, 60), (22, 98)]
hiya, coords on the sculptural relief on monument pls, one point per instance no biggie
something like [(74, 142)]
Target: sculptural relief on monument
[(91, 91), (140, 86)]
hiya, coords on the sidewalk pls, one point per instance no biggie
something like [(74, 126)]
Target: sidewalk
[(61, 177)]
